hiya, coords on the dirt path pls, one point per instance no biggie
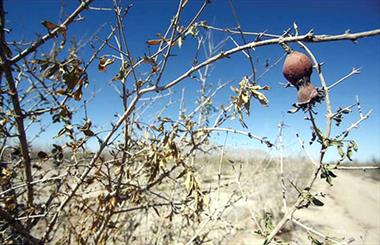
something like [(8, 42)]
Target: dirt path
[(352, 209)]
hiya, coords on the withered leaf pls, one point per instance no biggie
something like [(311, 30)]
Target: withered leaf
[(154, 42), (180, 42), (104, 62), (260, 97), (113, 201), (63, 29), (149, 60), (156, 210), (42, 155), (77, 95), (122, 72), (193, 31), (189, 182), (155, 69), (88, 132), (61, 92), (86, 129), (49, 25), (317, 202)]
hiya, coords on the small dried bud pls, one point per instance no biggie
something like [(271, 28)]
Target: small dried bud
[(306, 93)]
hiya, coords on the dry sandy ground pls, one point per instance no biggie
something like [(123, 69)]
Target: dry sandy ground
[(351, 210)]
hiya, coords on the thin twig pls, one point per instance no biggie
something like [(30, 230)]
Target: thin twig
[(33, 183), (250, 135), (311, 230), (364, 168), (83, 5), (302, 143), (353, 72), (220, 167), (6, 68), (325, 88), (18, 227), (281, 146), (304, 38), (345, 133)]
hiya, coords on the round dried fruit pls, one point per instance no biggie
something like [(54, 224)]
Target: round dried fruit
[(297, 68)]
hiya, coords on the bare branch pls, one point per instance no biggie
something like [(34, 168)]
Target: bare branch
[(83, 5), (354, 71), (18, 227), (304, 38), (248, 134)]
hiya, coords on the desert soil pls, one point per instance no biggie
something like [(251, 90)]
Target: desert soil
[(351, 210)]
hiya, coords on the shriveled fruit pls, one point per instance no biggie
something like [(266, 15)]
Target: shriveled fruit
[(297, 70), (306, 93), (297, 67)]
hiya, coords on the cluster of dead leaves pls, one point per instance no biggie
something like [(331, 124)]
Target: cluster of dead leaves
[(50, 26), (70, 72), (245, 93)]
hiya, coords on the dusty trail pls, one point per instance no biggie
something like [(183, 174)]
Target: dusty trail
[(352, 208)]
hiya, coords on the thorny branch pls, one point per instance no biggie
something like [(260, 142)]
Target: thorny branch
[(322, 137), (304, 38), (83, 5), (6, 67), (125, 180)]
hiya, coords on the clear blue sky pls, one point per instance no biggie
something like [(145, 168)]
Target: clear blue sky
[(146, 18)]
